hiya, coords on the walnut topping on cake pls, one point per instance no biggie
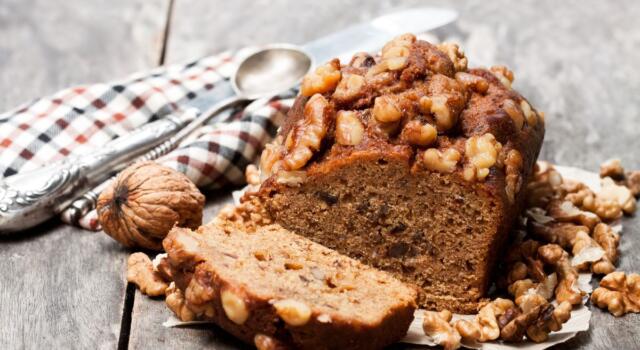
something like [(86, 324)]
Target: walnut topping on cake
[(481, 153), (443, 162), (503, 74), (349, 129), (398, 151), (455, 54), (324, 79), (307, 134), (395, 53)]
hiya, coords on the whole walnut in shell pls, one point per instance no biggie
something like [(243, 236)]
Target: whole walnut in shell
[(145, 201)]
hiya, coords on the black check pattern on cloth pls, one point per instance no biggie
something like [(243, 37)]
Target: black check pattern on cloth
[(78, 120)]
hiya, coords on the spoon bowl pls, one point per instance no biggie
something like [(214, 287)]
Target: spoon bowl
[(270, 71)]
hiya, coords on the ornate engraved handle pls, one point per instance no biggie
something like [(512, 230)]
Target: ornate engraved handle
[(29, 198), (84, 204)]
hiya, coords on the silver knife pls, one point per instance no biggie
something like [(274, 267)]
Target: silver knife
[(371, 36), (30, 198)]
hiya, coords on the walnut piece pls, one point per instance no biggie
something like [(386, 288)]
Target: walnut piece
[(437, 105), (419, 134), (385, 109), (395, 53), (512, 168), (612, 195), (536, 323), (468, 330), (324, 79), (608, 239), (567, 289), (252, 174), (349, 88), (293, 312), (632, 182), (565, 211), (455, 54), (609, 203), (271, 158), (291, 178), (349, 128), (612, 168), (145, 201), (485, 326), (619, 293), (442, 162), (503, 74), (234, 306), (199, 295), (306, 136), (265, 342), (514, 112), (176, 302), (481, 153), (544, 185), (550, 320), (140, 271), (588, 251), (436, 326), (529, 294), (515, 329), (474, 82), (529, 114), (162, 267)]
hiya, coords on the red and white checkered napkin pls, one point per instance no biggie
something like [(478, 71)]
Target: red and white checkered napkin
[(79, 120)]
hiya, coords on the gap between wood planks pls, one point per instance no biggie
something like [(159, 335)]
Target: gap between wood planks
[(130, 292)]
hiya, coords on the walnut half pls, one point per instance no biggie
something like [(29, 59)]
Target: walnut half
[(619, 293), (140, 271), (436, 325), (306, 136), (481, 153)]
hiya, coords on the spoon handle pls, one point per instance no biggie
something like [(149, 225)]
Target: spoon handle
[(208, 115)]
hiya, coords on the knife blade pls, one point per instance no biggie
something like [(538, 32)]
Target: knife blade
[(371, 36), (368, 37)]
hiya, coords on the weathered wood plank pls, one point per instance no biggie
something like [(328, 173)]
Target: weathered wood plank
[(46, 46), (575, 60), (62, 287), (148, 315)]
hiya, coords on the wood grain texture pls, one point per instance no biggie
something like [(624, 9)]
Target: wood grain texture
[(62, 287), (147, 331), (574, 60), (49, 45)]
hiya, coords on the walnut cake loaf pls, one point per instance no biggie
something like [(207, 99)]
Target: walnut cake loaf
[(408, 161), (275, 289)]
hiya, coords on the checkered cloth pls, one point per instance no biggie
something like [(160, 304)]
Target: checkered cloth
[(78, 120)]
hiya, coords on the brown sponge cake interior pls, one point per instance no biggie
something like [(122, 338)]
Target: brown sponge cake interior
[(273, 283)]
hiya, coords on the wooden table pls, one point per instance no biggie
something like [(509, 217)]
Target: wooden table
[(64, 288)]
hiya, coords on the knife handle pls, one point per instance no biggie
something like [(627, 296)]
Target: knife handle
[(31, 197), (87, 202)]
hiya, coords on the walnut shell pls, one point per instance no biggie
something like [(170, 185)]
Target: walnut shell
[(145, 201)]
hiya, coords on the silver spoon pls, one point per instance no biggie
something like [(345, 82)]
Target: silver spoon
[(27, 199), (262, 74)]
